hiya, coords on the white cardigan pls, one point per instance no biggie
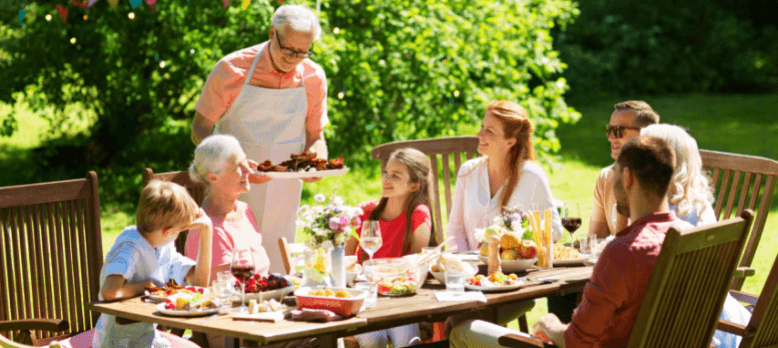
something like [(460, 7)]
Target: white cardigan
[(473, 208)]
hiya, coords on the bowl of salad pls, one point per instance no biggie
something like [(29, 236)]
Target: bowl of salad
[(396, 276)]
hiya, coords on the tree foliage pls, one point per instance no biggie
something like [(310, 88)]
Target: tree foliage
[(631, 47), (397, 69)]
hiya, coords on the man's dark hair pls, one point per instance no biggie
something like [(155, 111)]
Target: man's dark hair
[(644, 114), (651, 160)]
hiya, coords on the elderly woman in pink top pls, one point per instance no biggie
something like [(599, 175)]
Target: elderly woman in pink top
[(273, 99), (220, 163)]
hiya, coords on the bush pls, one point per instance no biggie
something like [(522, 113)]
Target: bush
[(396, 70), (633, 47)]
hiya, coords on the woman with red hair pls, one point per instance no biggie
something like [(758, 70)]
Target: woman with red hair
[(504, 176)]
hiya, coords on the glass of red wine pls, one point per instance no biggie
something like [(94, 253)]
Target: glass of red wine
[(571, 218), (242, 267)]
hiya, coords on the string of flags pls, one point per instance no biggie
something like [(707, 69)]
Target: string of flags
[(85, 4)]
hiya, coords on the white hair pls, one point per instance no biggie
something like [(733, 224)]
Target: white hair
[(212, 155), (689, 187), (299, 17)]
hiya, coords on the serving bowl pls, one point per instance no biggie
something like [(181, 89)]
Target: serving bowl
[(342, 306), (396, 276), (512, 266)]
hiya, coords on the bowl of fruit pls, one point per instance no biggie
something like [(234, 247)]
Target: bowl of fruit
[(396, 276), (341, 301), (263, 288), (516, 254)]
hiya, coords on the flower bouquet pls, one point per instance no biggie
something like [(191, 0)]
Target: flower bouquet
[(329, 227)]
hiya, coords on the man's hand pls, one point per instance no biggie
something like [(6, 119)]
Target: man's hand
[(550, 329), (257, 178)]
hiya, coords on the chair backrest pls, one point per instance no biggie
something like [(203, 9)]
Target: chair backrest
[(689, 284), (762, 330), (292, 254), (740, 182), (51, 252), (6, 343), (437, 149), (195, 189)]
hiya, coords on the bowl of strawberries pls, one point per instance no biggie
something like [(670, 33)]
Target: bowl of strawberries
[(264, 288)]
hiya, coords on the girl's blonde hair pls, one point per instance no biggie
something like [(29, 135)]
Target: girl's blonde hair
[(419, 172), (690, 187), (164, 204)]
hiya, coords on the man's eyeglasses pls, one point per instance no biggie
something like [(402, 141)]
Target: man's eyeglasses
[(618, 131), (290, 52)]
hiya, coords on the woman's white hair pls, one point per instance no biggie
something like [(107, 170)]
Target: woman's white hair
[(690, 187), (299, 17), (212, 155)]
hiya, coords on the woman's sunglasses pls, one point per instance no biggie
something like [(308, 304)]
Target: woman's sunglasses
[(618, 131)]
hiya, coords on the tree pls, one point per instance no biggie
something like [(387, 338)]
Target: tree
[(397, 69)]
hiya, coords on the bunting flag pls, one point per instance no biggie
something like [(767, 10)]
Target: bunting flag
[(152, 4), (246, 4), (225, 3), (83, 5), (90, 3), (63, 13), (21, 16), (135, 3)]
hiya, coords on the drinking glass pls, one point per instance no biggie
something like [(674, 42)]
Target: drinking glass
[(372, 293), (594, 247), (242, 267), (226, 285), (455, 283), (370, 240), (585, 246), (571, 218)]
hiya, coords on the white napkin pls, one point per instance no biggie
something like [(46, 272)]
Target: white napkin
[(272, 317), (468, 296)]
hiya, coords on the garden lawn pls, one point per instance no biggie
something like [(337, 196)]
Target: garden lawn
[(742, 124)]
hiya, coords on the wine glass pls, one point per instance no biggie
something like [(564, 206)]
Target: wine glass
[(370, 240), (571, 218), (242, 267)]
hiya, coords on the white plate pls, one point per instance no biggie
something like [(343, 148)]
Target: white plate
[(155, 298), (192, 313), (301, 175), (277, 294), (515, 286), (571, 262), (511, 266)]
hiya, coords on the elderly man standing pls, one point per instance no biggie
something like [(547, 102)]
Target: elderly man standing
[(273, 99), (611, 300)]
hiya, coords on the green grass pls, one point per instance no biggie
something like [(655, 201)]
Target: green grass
[(733, 123)]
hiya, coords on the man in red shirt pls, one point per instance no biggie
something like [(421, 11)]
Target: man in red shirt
[(612, 298)]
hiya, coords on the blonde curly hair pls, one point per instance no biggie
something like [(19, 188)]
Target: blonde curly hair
[(690, 186)]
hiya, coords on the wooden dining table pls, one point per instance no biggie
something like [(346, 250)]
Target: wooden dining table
[(388, 312)]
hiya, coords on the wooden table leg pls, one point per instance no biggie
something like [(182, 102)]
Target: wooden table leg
[(328, 341)]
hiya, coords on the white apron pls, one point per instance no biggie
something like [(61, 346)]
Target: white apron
[(270, 124)]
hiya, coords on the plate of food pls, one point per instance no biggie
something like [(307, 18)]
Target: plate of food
[(494, 283), (303, 165), (183, 305), (567, 256), (157, 294)]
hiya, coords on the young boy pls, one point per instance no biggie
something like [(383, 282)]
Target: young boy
[(145, 254)]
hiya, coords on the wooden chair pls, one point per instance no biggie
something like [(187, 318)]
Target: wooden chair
[(196, 190), (444, 148), (687, 289), (762, 330), (292, 254), (740, 182), (6, 343), (51, 254)]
